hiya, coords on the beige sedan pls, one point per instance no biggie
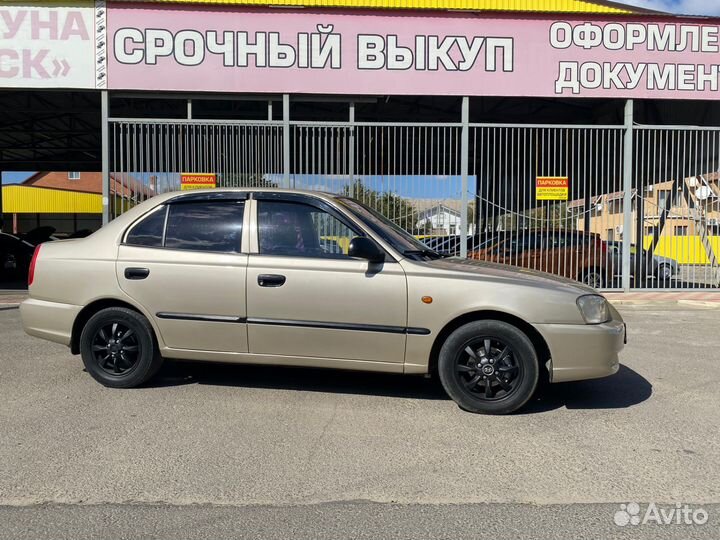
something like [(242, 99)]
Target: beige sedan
[(294, 278)]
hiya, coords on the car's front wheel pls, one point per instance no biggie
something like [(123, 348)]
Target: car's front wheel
[(118, 348), (489, 367)]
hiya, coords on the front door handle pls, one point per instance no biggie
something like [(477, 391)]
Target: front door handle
[(271, 280), (137, 273)]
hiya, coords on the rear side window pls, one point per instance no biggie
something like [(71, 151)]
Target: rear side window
[(205, 226), (149, 232), (196, 226)]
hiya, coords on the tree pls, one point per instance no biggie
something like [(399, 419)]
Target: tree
[(394, 207)]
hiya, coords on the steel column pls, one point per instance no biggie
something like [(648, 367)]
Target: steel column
[(286, 140), (627, 195), (351, 149), (464, 151), (105, 136)]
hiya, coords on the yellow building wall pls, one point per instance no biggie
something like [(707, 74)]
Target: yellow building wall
[(684, 249), (32, 200)]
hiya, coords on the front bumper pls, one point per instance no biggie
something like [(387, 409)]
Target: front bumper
[(584, 351), (49, 320)]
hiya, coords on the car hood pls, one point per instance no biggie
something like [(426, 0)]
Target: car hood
[(471, 268)]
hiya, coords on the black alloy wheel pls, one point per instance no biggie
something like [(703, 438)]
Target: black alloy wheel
[(119, 348), (489, 367), (116, 348)]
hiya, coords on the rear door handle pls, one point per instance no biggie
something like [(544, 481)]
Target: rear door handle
[(271, 280), (137, 273)]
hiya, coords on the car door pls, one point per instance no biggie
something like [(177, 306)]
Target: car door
[(184, 264), (307, 300)]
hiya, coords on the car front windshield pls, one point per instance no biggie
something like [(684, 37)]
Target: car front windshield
[(397, 237)]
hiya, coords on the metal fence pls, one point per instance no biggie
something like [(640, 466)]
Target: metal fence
[(147, 158), (503, 192), (676, 207), (522, 223)]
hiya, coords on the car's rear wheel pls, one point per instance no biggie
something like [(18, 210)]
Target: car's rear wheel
[(664, 272), (593, 277), (489, 367), (118, 348)]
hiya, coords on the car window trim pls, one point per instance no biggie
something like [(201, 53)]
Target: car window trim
[(310, 201), (209, 197)]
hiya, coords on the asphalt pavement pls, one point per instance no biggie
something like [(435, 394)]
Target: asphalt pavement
[(214, 451)]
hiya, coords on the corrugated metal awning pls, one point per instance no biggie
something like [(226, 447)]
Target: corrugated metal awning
[(537, 6), (33, 200)]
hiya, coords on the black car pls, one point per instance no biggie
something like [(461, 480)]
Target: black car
[(16, 252), (15, 256)]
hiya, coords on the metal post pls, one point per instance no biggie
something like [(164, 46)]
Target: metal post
[(286, 140), (270, 112), (189, 109), (464, 151), (627, 194), (105, 136), (351, 149)]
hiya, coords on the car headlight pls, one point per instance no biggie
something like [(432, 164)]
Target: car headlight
[(594, 308)]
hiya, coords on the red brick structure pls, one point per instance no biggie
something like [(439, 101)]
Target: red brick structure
[(90, 182)]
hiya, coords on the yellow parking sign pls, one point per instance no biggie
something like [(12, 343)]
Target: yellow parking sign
[(552, 188)]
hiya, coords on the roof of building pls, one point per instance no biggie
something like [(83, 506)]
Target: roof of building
[(426, 207), (537, 6), (91, 182)]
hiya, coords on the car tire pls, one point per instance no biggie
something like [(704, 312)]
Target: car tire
[(593, 277), (502, 354), (664, 272), (119, 349)]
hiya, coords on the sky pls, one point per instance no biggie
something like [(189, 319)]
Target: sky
[(684, 7), (15, 177)]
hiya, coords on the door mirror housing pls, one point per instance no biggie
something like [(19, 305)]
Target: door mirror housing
[(362, 247)]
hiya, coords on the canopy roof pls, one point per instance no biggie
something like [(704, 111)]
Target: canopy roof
[(538, 6)]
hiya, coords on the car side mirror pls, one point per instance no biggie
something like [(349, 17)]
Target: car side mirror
[(362, 247)]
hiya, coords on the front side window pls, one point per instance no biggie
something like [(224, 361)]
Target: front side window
[(196, 226), (299, 230)]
